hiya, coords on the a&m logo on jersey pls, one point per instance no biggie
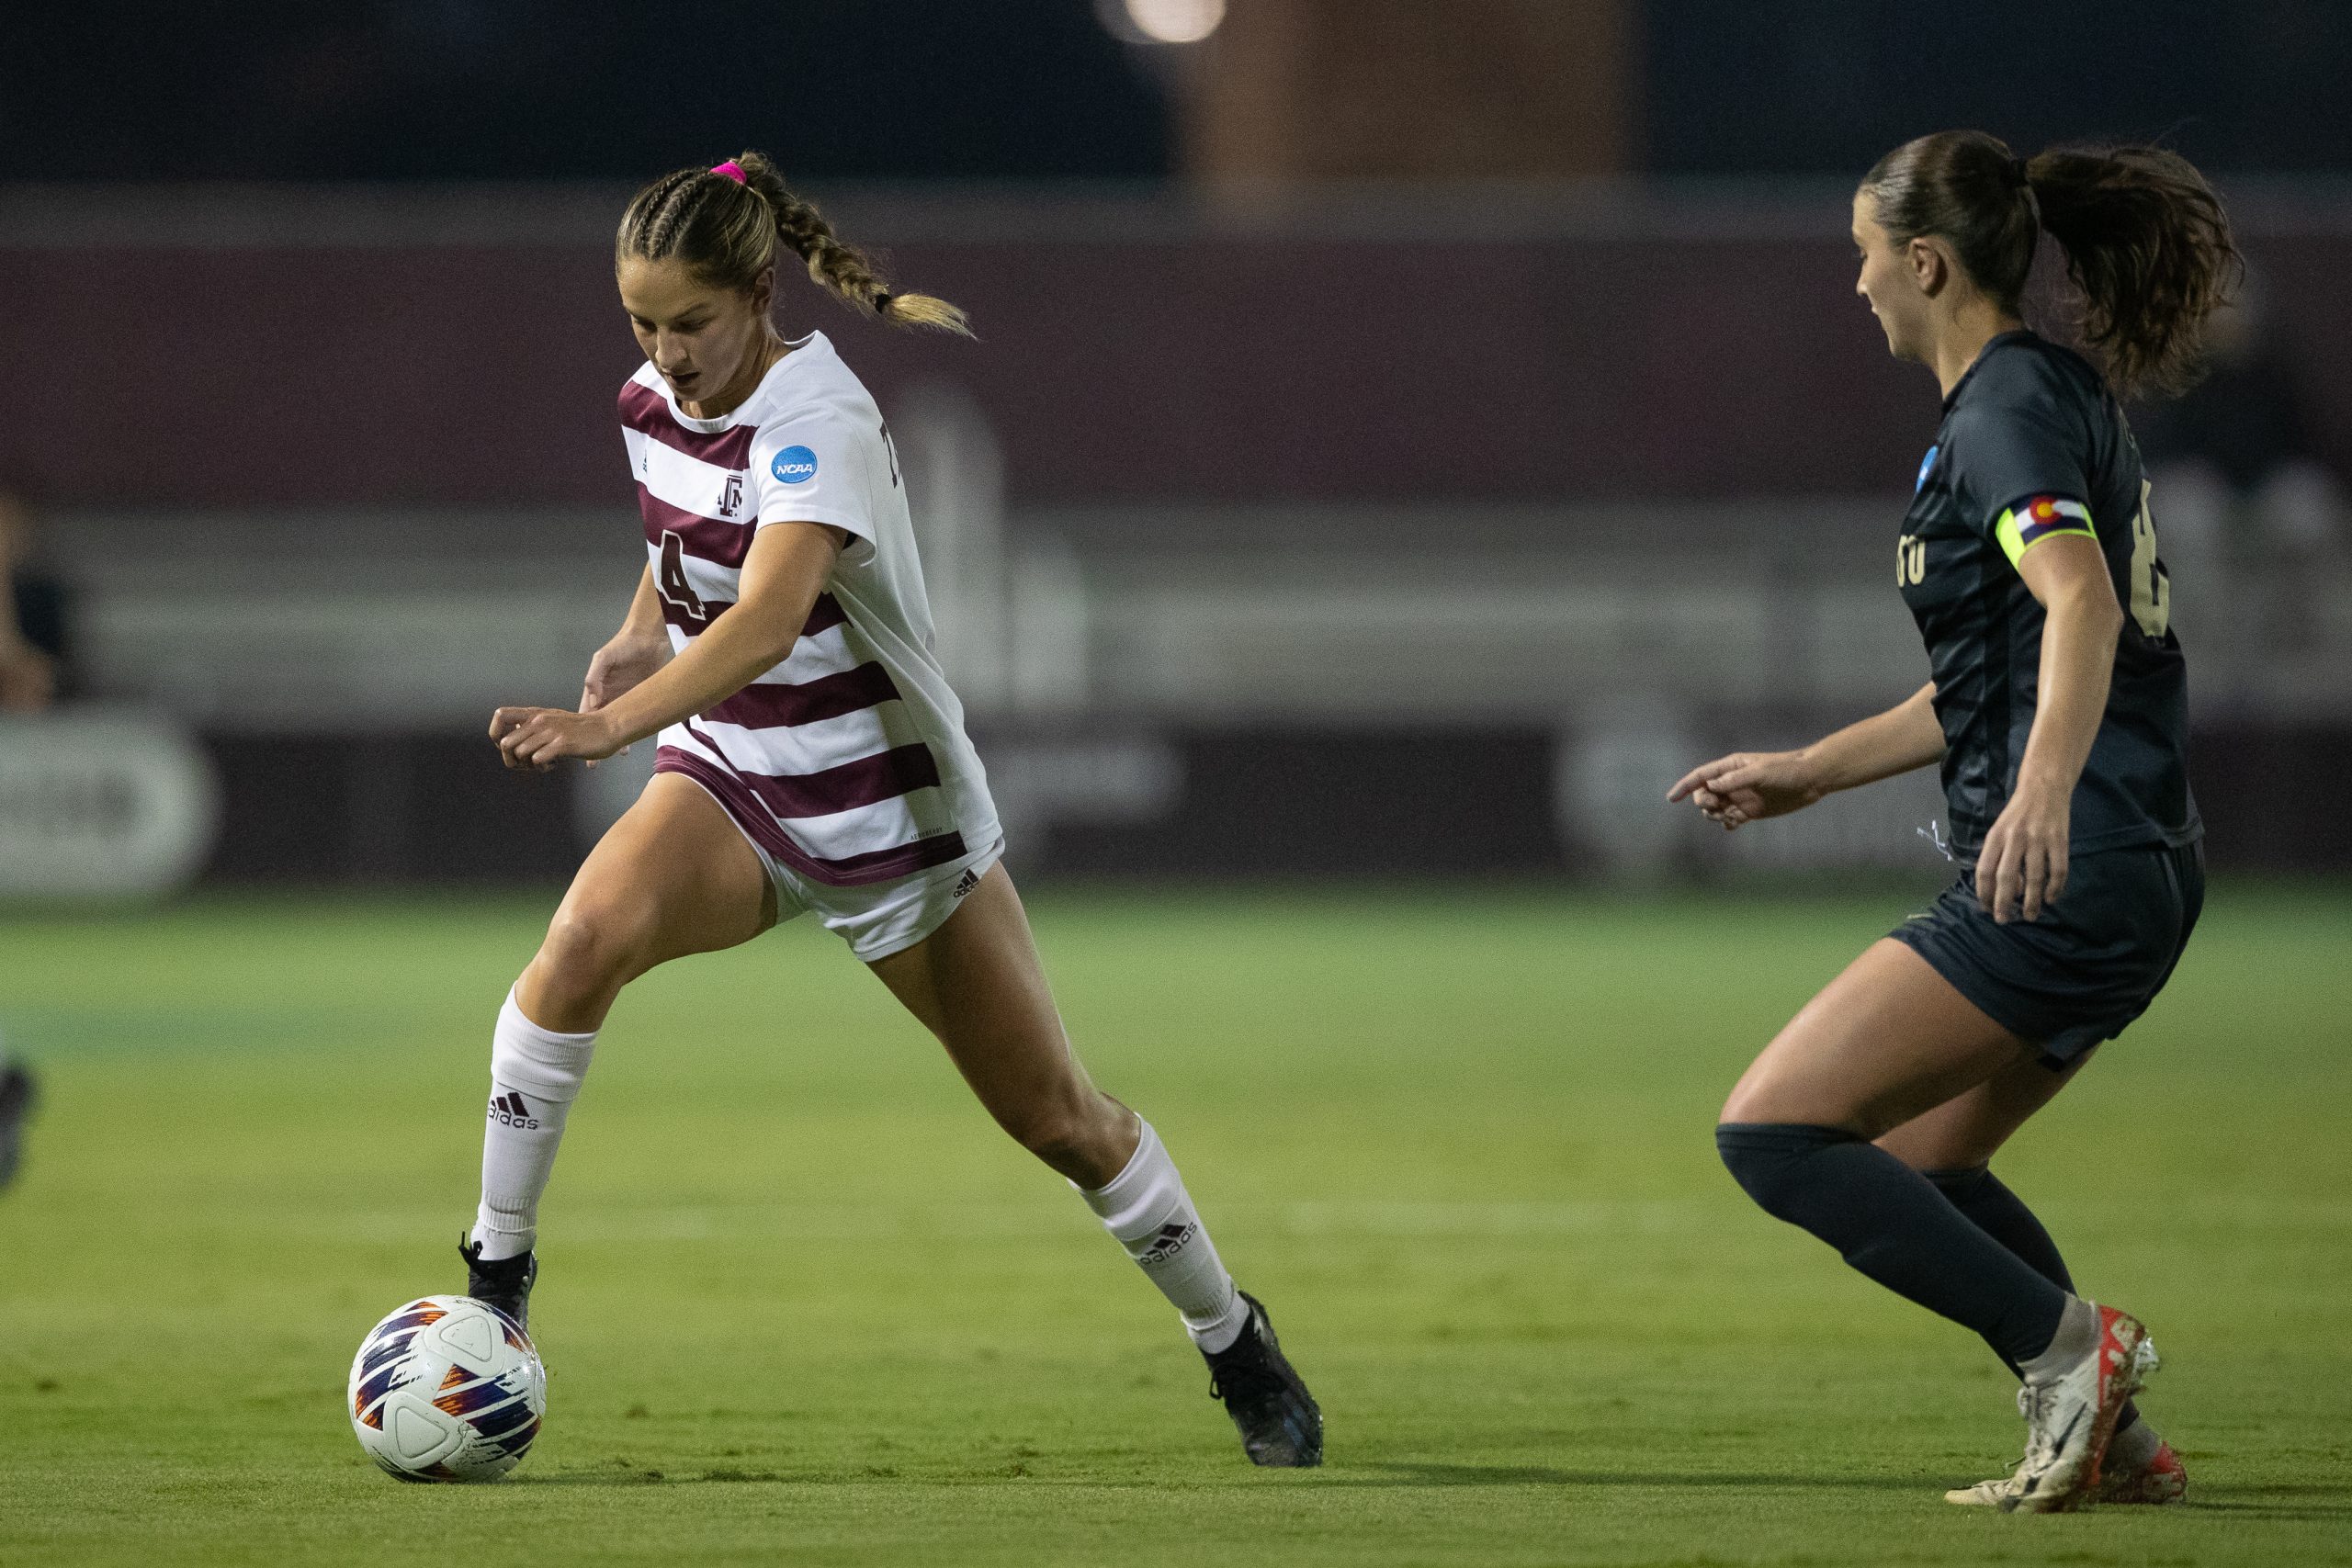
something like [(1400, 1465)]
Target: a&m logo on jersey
[(794, 464), (2046, 514)]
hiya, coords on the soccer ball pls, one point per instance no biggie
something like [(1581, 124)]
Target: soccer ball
[(447, 1389)]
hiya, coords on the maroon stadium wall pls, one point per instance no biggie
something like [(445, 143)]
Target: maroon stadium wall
[(1197, 367)]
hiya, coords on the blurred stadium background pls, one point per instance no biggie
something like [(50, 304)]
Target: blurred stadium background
[(1402, 436)]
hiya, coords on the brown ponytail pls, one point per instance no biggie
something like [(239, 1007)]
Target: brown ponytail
[(2148, 247), (2146, 238), (728, 232)]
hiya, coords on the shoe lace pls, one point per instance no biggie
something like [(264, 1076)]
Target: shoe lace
[(2033, 1404)]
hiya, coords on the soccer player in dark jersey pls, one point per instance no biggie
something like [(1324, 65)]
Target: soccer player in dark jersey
[(2057, 709)]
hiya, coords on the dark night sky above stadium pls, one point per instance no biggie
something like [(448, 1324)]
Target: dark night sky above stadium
[(1037, 89)]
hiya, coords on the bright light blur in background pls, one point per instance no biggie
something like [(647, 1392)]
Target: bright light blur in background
[(1162, 21)]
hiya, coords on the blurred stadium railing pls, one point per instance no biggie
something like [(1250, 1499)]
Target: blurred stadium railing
[(1398, 535)]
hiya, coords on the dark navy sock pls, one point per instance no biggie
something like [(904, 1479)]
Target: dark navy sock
[(1890, 1223), (2002, 1214)]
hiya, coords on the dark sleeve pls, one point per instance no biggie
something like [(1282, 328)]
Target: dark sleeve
[(2018, 439)]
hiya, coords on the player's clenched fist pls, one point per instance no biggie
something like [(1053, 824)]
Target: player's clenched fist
[(540, 737)]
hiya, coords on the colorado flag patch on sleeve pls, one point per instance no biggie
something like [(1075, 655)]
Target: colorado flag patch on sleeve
[(2029, 522)]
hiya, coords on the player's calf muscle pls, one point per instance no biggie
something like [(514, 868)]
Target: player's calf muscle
[(1034, 1087), (1084, 1136)]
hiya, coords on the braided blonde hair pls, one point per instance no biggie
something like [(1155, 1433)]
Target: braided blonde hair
[(727, 231)]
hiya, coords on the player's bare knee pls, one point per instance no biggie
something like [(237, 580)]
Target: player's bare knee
[(1752, 1103), (589, 948), (1797, 1099)]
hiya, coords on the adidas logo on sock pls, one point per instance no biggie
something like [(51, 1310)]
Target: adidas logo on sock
[(508, 1110), (971, 879), (1169, 1242)]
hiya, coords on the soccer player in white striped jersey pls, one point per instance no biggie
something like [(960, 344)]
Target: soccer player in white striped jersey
[(812, 757)]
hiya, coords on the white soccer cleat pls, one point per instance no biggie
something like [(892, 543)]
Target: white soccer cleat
[(1993, 1494), (2161, 1479), (2069, 1421), (1983, 1495)]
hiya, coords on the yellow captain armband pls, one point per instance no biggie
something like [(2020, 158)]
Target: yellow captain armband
[(2028, 523)]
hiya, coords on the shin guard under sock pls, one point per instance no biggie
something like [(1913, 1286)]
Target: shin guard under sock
[(534, 1074), (1892, 1224), (1148, 1211)]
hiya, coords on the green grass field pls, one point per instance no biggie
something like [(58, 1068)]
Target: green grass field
[(802, 1302)]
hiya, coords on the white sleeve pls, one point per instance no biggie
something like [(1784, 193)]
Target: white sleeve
[(813, 470)]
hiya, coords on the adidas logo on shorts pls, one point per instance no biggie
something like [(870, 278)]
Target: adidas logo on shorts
[(509, 1111), (970, 880)]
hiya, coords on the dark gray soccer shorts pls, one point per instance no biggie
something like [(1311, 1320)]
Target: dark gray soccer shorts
[(2089, 965)]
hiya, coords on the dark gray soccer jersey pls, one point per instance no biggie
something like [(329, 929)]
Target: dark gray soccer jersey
[(2032, 444)]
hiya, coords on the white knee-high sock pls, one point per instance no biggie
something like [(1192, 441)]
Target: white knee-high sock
[(1147, 1211), (534, 1074)]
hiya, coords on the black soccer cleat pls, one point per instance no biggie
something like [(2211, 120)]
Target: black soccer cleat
[(15, 1108), (505, 1283), (1280, 1423)]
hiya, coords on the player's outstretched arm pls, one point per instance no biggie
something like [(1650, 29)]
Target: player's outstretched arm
[(1748, 787), (785, 570)]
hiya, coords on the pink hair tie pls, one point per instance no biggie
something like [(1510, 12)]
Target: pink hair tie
[(731, 169)]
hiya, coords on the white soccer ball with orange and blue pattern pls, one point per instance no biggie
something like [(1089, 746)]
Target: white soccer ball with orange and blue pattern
[(447, 1389)]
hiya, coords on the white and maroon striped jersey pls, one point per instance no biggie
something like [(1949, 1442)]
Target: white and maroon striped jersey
[(848, 761)]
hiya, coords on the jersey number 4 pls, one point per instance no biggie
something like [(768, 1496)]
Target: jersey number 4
[(2151, 589), (671, 578)]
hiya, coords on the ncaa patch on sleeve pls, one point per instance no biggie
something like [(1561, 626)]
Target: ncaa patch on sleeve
[(794, 464)]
